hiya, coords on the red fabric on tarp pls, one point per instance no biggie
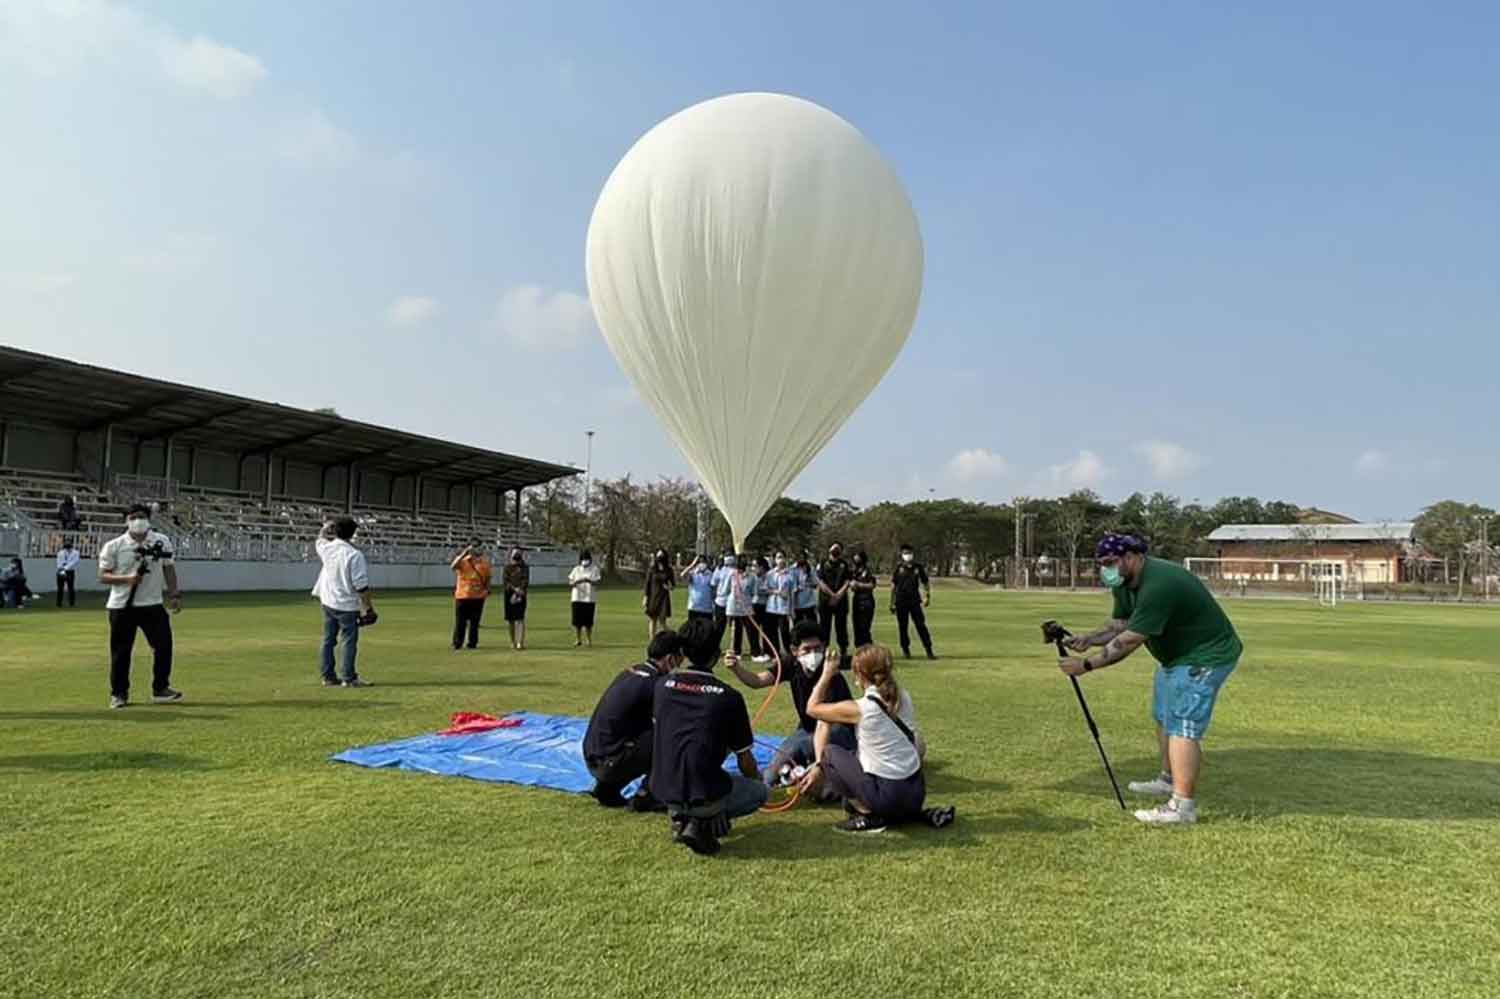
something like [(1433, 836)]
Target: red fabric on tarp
[(465, 722)]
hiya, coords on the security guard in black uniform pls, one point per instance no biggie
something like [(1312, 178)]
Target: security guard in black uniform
[(833, 598), (863, 583), (910, 592)]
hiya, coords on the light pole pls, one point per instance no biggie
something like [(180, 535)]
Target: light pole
[(588, 472)]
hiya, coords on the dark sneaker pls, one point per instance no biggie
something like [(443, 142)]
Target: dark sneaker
[(906, 653), (166, 696), (606, 796), (696, 837), (939, 817), (117, 702), (932, 655), (358, 682), (331, 683), (644, 801), (861, 824)]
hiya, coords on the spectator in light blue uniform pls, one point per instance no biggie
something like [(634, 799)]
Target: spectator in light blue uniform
[(726, 566), (737, 590), (761, 633), (701, 588), (781, 589), (806, 603)]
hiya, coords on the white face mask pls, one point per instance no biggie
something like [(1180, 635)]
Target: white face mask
[(781, 563), (811, 660), (906, 556), (730, 563), (138, 525), (586, 562)]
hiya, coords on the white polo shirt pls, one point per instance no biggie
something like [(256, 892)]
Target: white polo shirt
[(345, 573), (67, 560), (119, 556), (582, 579)]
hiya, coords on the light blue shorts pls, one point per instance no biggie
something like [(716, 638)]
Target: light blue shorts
[(1182, 698)]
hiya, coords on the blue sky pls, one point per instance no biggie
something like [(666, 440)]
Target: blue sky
[(1207, 252)]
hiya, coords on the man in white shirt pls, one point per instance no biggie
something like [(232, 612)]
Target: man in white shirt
[(139, 571), (343, 588), (67, 572)]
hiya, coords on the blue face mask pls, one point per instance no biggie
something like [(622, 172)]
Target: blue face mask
[(1110, 576)]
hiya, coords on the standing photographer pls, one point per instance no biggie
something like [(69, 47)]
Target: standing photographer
[(139, 571), (343, 588), (1161, 605)]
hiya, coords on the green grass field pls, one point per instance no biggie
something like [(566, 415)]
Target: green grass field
[(1350, 842)]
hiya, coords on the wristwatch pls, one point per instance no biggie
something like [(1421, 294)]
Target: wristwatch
[(1088, 667)]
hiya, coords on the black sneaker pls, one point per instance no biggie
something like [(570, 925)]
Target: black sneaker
[(607, 796), (644, 801), (906, 653), (698, 839), (861, 824), (166, 696), (939, 818), (932, 655)]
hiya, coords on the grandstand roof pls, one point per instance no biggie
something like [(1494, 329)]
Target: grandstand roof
[(50, 391), (1384, 531)]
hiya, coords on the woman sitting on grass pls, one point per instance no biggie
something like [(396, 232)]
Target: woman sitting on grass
[(883, 785)]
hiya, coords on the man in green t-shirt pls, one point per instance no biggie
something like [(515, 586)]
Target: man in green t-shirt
[(1162, 606)]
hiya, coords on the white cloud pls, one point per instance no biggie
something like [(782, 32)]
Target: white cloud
[(56, 38), (206, 65), (38, 282), (1168, 460), (531, 317), (311, 140), (977, 463), (1372, 464), (411, 310), (1085, 471)]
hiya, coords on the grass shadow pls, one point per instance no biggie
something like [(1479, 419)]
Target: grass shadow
[(173, 713), (759, 839), (1321, 781), (94, 762), (331, 704), (940, 780), (508, 681)]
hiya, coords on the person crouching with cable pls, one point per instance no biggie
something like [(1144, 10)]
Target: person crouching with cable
[(617, 745), (801, 669), (882, 784), (700, 720)]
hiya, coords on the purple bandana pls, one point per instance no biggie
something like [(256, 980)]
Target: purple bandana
[(1118, 545)]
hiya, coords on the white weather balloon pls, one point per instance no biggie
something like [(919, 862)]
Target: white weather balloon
[(755, 267)]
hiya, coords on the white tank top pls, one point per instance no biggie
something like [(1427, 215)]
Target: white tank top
[(884, 750)]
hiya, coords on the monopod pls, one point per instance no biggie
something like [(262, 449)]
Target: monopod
[(1054, 633)]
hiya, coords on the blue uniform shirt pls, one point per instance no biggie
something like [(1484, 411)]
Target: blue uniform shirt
[(701, 592), (717, 582), (807, 588), (737, 593), (781, 584)]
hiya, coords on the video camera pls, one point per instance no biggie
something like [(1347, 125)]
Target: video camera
[(1055, 634)]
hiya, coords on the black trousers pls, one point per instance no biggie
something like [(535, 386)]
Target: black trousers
[(721, 623), (779, 627), (913, 613), (154, 624), (831, 618), (742, 626), (466, 615), (804, 614), (65, 579), (864, 619), (633, 760), (763, 620)]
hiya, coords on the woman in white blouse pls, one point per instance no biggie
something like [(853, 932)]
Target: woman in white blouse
[(882, 784), (584, 578)]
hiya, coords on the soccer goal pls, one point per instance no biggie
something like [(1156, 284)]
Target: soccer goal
[(1326, 580)]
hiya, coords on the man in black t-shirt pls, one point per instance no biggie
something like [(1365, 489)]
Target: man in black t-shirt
[(833, 598), (910, 592), (800, 670), (700, 720), (617, 745)]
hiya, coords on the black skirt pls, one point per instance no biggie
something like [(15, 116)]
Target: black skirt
[(583, 615), (515, 611)]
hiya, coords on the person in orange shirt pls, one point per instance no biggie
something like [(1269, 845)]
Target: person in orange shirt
[(472, 585)]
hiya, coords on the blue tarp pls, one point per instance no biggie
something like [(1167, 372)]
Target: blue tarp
[(543, 751)]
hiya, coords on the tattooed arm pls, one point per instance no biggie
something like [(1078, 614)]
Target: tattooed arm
[(1115, 649), (1082, 643)]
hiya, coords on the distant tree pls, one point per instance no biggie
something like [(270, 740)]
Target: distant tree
[(1448, 530), (790, 525), (1077, 516), (327, 411)]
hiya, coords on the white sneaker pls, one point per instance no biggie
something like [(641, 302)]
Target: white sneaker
[(117, 702), (1156, 787), (1169, 813), (761, 659)]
